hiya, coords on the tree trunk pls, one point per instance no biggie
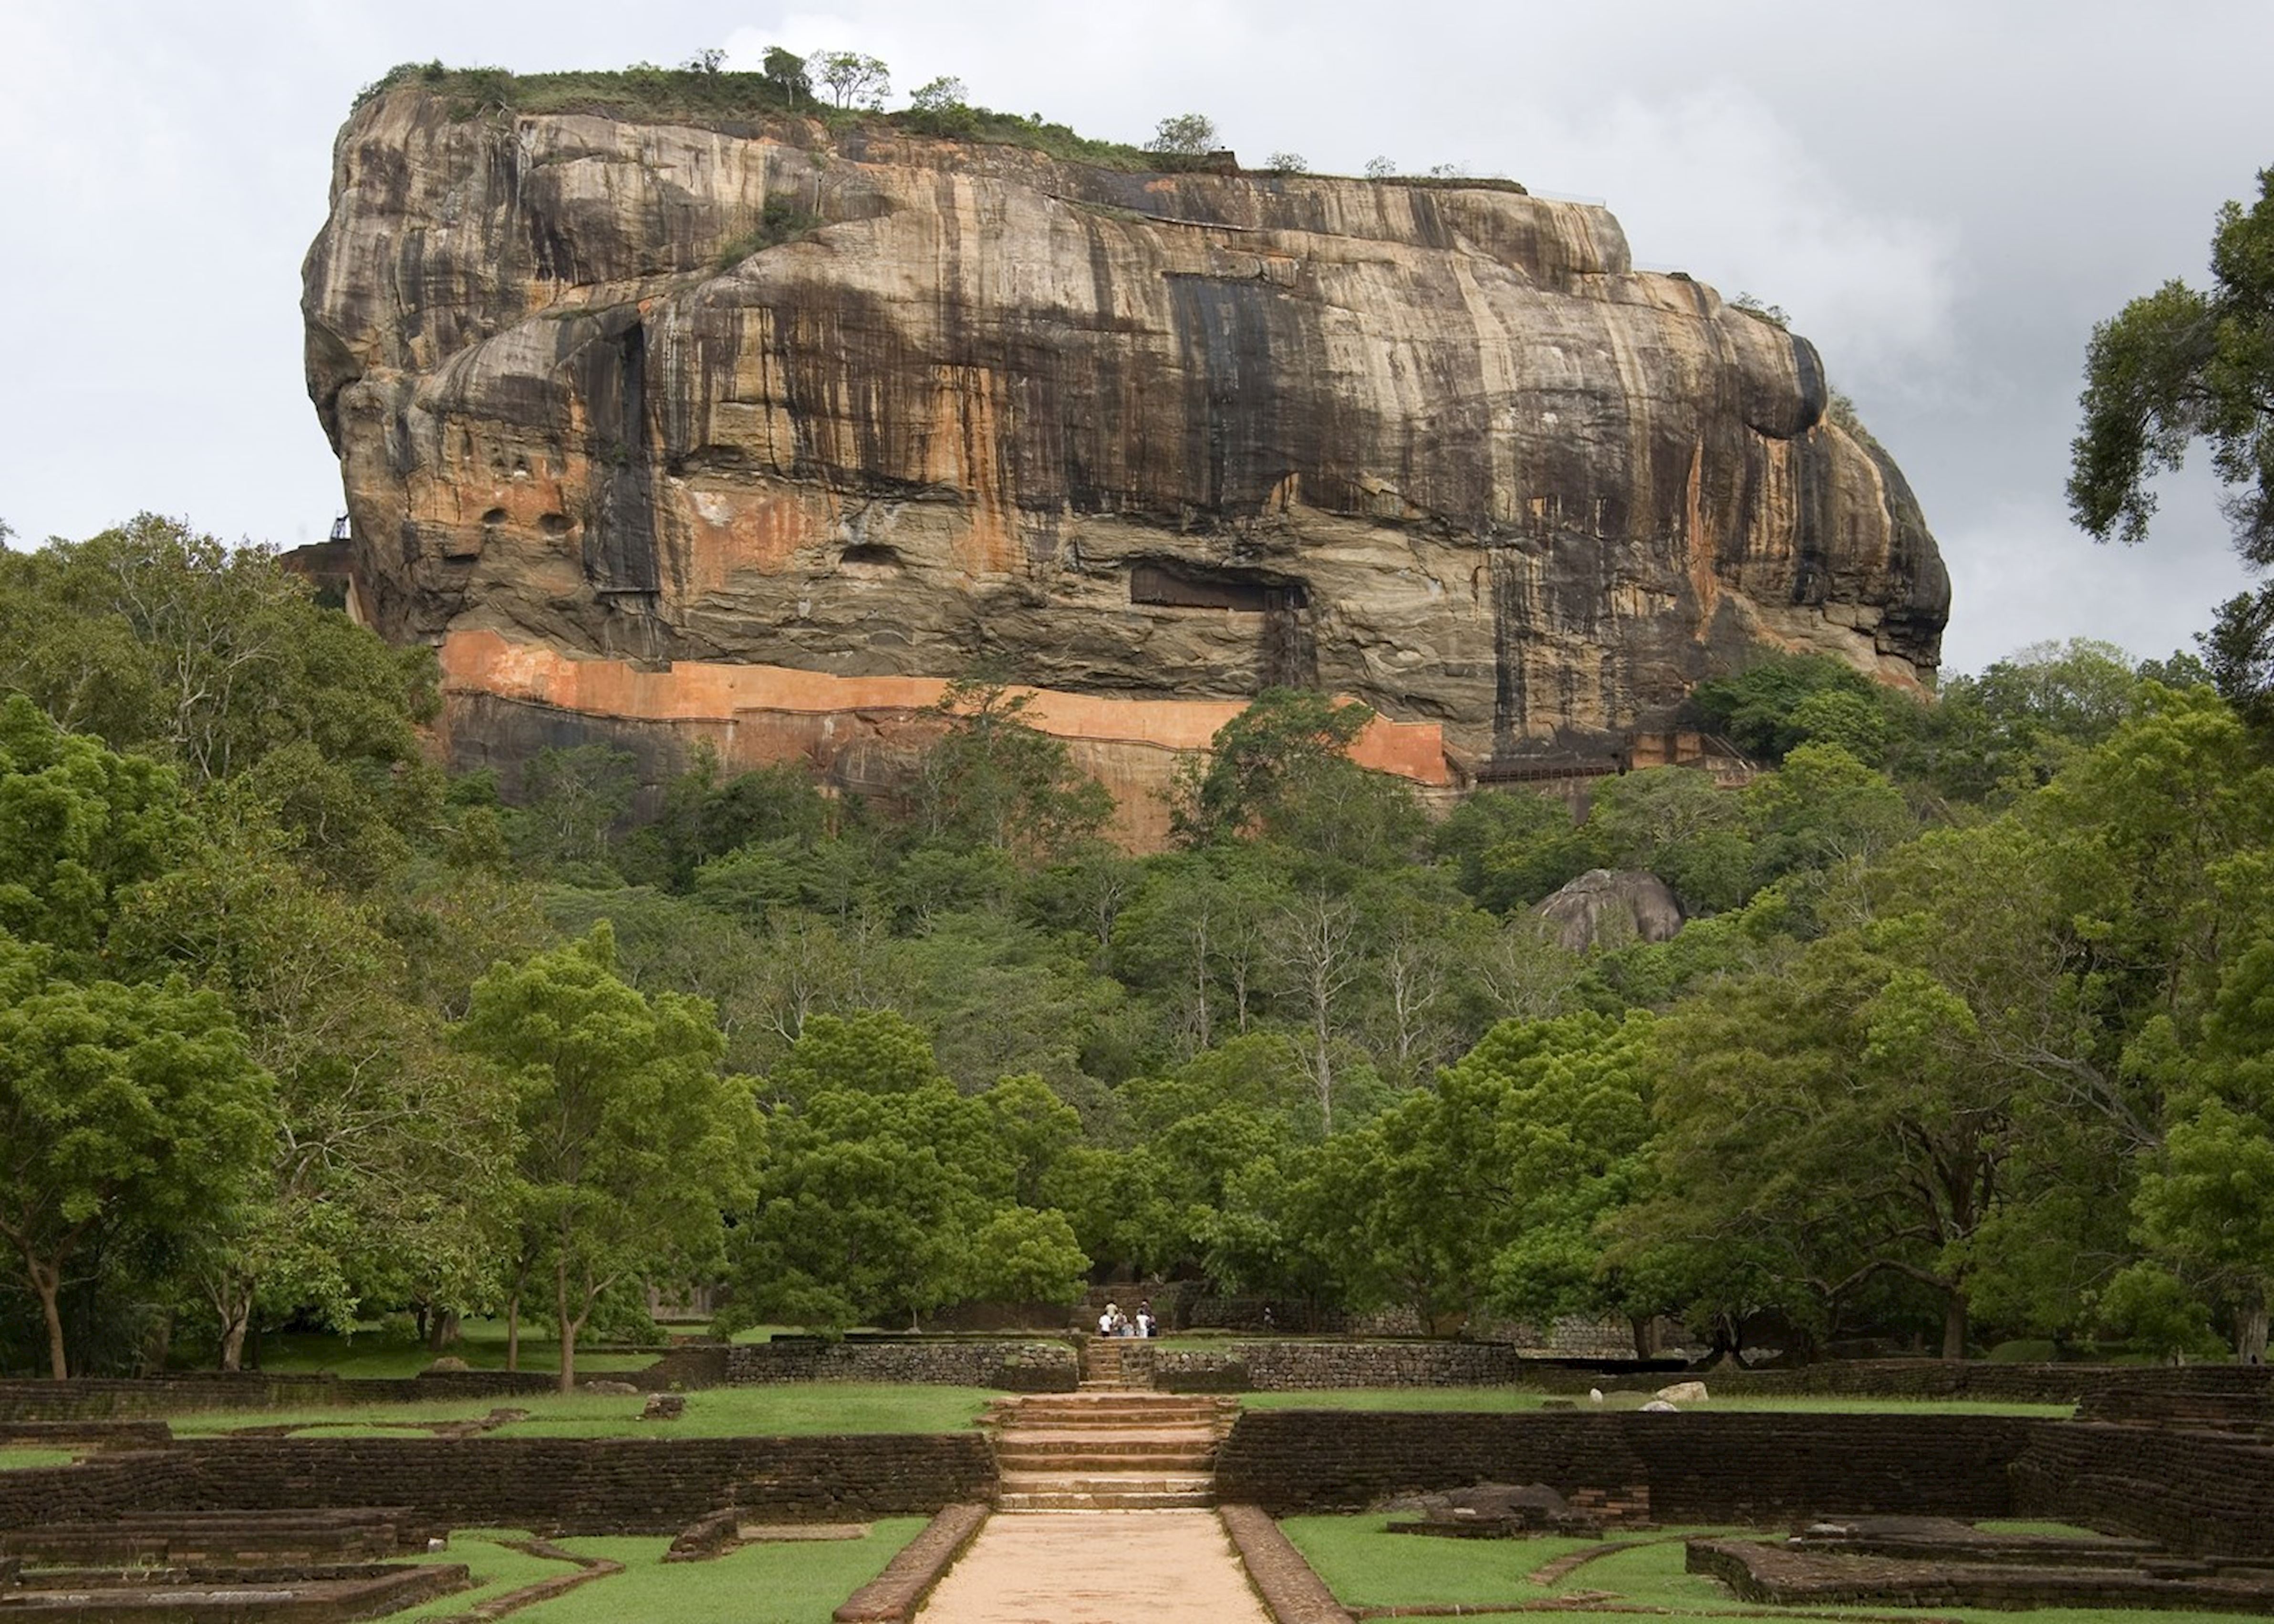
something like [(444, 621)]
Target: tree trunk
[(443, 1331), (1954, 1324), (232, 1340), (232, 1301), (567, 1326), (48, 1282), (2250, 1331)]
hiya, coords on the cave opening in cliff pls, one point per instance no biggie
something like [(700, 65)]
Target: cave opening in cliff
[(1161, 586)]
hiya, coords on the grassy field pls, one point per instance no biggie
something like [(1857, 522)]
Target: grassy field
[(1368, 1567), (389, 1352), (1495, 1400), (802, 1409), (791, 1584), (14, 1456)]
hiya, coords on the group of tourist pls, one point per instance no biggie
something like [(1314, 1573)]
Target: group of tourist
[(1113, 1322)]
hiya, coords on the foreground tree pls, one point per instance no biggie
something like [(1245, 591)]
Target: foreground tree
[(630, 1143), (127, 1108), (2203, 1206), (383, 1168), (885, 1192)]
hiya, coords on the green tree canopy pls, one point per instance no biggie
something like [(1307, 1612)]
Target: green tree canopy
[(2181, 365), (126, 1107), (629, 1143)]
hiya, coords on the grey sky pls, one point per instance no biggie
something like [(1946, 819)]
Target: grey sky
[(1944, 196)]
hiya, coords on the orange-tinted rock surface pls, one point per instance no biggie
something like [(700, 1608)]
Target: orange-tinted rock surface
[(1136, 436)]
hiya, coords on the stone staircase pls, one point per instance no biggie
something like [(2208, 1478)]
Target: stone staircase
[(1116, 1361), (1107, 1449)]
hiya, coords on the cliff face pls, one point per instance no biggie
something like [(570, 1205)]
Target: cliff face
[(871, 405)]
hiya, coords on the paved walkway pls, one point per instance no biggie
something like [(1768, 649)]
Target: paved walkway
[(1097, 1568)]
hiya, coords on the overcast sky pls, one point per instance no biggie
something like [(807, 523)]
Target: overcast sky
[(1945, 196)]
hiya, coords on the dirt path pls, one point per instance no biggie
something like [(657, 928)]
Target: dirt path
[(1098, 1567)]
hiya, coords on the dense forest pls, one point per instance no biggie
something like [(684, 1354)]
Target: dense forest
[(1967, 1038)]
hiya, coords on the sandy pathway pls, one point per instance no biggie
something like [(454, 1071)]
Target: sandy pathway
[(1097, 1568)]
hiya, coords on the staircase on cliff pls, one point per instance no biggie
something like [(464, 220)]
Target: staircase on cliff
[(1113, 1446)]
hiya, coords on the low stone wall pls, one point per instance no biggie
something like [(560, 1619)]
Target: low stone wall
[(1759, 1469), (97, 1398), (92, 1490), (569, 1486), (2240, 1397), (88, 1434), (1014, 1366), (1925, 1378), (1301, 1366), (695, 1364), (2203, 1492)]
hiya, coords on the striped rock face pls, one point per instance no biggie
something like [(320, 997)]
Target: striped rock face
[(869, 405)]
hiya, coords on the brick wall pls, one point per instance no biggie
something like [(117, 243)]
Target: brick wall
[(697, 1365), (1297, 1366), (575, 1485), (2200, 1491), (2216, 1395), (95, 1398), (2037, 1383), (1692, 1467), (1015, 1366), (93, 1489)]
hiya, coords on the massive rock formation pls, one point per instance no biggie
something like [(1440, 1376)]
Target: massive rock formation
[(870, 405)]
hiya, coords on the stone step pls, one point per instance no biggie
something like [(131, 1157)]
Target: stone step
[(1187, 1464), (1106, 1482), (1115, 1401), (1015, 1500), (1027, 1445)]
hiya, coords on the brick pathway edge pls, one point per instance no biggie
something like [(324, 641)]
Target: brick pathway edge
[(896, 1593), (1293, 1592)]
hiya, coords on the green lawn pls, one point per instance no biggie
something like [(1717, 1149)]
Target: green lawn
[(1367, 1568), (1493, 1401), (800, 1409), (388, 1351), (14, 1456), (789, 1583)]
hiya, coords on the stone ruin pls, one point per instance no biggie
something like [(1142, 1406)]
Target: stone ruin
[(224, 1566), (1941, 1562), (1496, 1511)]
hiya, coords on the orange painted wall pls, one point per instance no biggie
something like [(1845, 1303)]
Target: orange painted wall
[(692, 691)]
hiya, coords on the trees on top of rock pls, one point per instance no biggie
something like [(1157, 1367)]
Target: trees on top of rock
[(854, 77), (1184, 135)]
